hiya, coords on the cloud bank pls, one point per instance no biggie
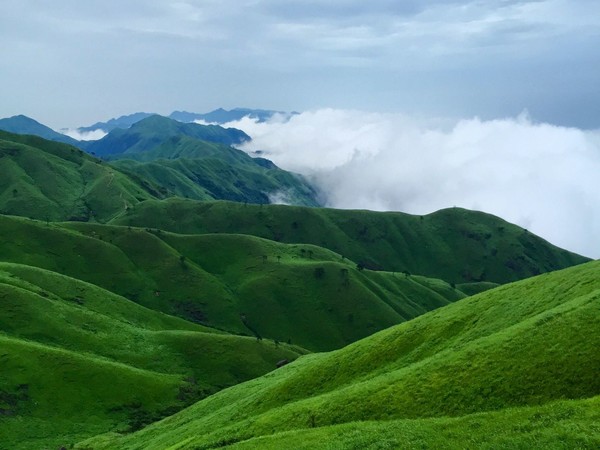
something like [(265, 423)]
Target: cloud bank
[(85, 136), (540, 176)]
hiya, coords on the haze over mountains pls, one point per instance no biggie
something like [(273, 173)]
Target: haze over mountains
[(143, 273)]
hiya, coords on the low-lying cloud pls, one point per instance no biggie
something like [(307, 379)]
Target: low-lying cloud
[(540, 176), (84, 136)]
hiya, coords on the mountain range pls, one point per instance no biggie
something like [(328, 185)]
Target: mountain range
[(153, 296)]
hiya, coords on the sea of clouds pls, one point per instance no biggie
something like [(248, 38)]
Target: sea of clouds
[(543, 177)]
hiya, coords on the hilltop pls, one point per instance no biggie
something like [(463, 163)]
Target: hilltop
[(456, 245), (25, 125), (470, 371)]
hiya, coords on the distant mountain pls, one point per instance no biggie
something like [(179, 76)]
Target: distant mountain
[(218, 116), (221, 115), (25, 125), (120, 122), (152, 131)]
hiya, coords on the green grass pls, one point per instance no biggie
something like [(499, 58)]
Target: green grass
[(301, 294), (523, 345), (78, 360), (455, 245), (559, 425), (51, 181)]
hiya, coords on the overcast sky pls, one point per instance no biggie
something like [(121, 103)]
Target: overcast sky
[(410, 105), (68, 63)]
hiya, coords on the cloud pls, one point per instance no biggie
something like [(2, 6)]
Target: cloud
[(540, 176), (86, 136)]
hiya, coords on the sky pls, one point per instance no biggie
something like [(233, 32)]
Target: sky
[(408, 105), (70, 63)]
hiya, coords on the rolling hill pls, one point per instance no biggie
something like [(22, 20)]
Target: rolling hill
[(305, 295), (456, 245), (52, 181), (514, 367), (77, 359)]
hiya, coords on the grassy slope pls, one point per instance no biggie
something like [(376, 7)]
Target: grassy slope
[(310, 296), (51, 181), (78, 360), (456, 245), (200, 170), (525, 344)]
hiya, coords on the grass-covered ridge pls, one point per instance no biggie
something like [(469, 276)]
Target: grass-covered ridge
[(77, 360), (523, 345), (300, 294), (455, 244)]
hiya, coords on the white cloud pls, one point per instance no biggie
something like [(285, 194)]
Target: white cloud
[(540, 176), (86, 136)]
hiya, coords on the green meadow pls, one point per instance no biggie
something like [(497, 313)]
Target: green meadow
[(519, 362), (153, 300)]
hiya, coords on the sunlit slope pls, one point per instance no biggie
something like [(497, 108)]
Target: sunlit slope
[(52, 181), (301, 294), (78, 360), (526, 344), (455, 244)]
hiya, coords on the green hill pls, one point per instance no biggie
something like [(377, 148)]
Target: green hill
[(24, 125), (52, 181), (519, 361), (456, 245), (190, 168), (242, 284), (78, 360), (152, 131)]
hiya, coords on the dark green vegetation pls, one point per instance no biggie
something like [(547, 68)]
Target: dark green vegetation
[(25, 125), (456, 245), (515, 366)]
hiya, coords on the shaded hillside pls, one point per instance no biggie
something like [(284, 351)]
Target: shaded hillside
[(305, 295), (455, 244), (153, 131), (504, 355), (52, 181), (24, 125), (187, 167), (78, 360)]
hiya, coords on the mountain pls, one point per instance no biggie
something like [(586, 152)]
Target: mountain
[(218, 116), (51, 181), (514, 367), (190, 168), (456, 245), (221, 115), (119, 122), (152, 131), (24, 125)]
